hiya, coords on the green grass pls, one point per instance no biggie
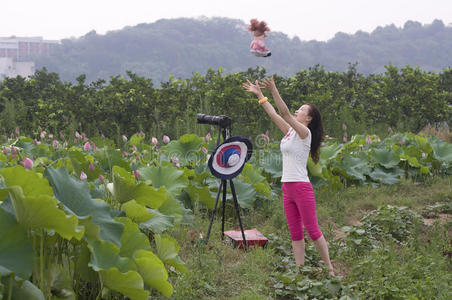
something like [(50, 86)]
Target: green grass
[(419, 268)]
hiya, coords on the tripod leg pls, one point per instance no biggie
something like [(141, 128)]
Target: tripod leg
[(214, 211), (224, 208), (236, 204)]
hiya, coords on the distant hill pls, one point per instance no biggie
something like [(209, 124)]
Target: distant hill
[(180, 47)]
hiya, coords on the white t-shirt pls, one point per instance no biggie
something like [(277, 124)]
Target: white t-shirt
[(295, 153)]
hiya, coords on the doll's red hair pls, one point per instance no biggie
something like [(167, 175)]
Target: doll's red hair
[(258, 28)]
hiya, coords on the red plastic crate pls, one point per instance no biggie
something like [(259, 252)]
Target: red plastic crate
[(253, 238)]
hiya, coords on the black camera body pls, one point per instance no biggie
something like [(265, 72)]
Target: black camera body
[(222, 121)]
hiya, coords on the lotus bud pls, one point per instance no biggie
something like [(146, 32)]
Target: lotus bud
[(345, 137), (61, 136), (368, 140), (77, 135), (204, 150), (155, 141), (136, 174), (134, 148), (101, 178), (55, 143), (124, 138), (175, 160), (94, 147), (5, 150), (344, 127), (28, 163), (43, 134), (166, 139), (83, 176), (75, 141), (124, 153), (50, 136), (14, 149), (207, 137), (87, 146), (91, 166)]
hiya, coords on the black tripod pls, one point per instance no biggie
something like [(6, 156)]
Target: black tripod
[(225, 132)]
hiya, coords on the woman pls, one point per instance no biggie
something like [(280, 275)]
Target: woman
[(303, 134)]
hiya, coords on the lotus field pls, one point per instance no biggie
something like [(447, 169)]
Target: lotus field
[(87, 218)]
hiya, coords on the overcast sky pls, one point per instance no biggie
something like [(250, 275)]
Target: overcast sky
[(319, 20)]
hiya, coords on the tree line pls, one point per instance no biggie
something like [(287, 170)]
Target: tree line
[(405, 99), (182, 46)]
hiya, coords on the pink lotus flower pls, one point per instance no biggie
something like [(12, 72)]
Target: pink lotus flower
[(207, 137), (101, 178), (175, 161), (136, 174), (28, 163), (154, 140), (204, 150), (83, 176), (345, 137), (36, 142), (77, 135), (91, 166), (43, 134), (166, 139), (134, 148), (87, 146), (55, 143), (124, 138), (368, 140)]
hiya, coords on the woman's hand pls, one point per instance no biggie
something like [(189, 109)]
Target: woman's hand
[(269, 84), (253, 88)]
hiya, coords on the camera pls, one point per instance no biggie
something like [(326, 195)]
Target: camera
[(222, 121)]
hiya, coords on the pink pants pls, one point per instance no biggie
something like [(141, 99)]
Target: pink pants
[(299, 207)]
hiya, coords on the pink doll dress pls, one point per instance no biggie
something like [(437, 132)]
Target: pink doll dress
[(258, 48)]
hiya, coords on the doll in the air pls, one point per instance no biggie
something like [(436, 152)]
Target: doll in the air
[(257, 46)]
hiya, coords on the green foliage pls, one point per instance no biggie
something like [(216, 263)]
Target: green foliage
[(405, 99)]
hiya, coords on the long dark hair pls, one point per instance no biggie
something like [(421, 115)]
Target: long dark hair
[(317, 132)]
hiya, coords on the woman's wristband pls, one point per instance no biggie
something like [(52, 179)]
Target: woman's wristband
[(263, 100)]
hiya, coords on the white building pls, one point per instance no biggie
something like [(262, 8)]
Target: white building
[(11, 68), (17, 54)]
